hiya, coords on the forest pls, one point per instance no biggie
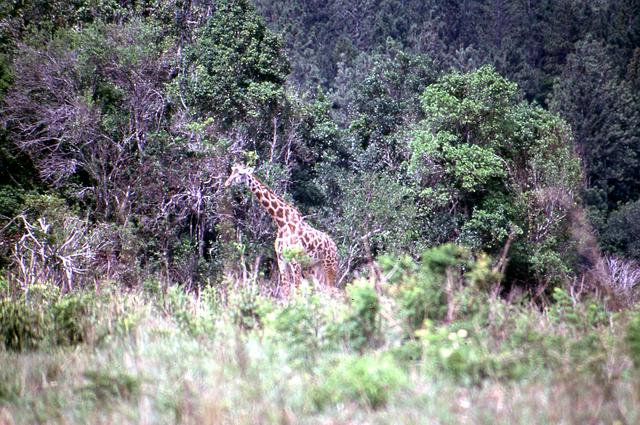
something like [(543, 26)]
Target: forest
[(475, 162)]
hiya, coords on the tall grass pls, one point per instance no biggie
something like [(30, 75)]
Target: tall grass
[(151, 357)]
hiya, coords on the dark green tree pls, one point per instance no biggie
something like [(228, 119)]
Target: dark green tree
[(621, 234), (604, 113), (83, 107), (384, 103), (237, 67), (492, 168)]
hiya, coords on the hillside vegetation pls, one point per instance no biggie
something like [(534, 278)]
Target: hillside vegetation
[(477, 164), (431, 347)]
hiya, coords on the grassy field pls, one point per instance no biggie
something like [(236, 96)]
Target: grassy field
[(429, 346)]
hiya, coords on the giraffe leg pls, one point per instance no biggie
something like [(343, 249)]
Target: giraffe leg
[(296, 273), (330, 263), (290, 276), (330, 272), (315, 275), (320, 275), (285, 278)]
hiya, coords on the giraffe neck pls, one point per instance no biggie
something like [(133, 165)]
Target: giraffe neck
[(282, 213)]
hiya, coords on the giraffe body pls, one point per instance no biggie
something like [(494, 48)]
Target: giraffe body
[(301, 250)]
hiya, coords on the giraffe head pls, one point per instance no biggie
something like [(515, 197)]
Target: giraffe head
[(239, 174)]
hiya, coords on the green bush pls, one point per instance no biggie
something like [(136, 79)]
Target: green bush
[(519, 346), (368, 379), (470, 355), (152, 286), (4, 286), (107, 385), (481, 274), (10, 386), (422, 289), (187, 313), (443, 258), (421, 296), (362, 325), (455, 352), (302, 325), (40, 316), (248, 309), (72, 318), (633, 340), (40, 295), (22, 327), (579, 315), (210, 299)]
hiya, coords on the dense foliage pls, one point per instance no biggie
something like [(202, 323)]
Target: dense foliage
[(429, 342), (509, 128), (477, 163), (493, 167)]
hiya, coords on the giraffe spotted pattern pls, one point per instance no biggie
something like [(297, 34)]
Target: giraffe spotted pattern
[(317, 259)]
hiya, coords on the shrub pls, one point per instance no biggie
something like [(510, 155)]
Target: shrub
[(624, 276), (106, 385), (11, 386), (471, 354), (55, 246), (39, 316), (249, 309), (423, 290), (421, 296), (583, 315), (454, 352), (210, 299), (152, 286), (368, 380), (22, 327), (72, 318), (41, 295), (303, 325), (4, 286), (186, 312), (362, 324), (481, 275), (633, 340), (443, 258)]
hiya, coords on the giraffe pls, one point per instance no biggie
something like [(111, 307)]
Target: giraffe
[(293, 234)]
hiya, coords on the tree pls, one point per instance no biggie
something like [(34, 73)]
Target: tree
[(94, 110), (370, 213), (83, 108), (621, 235), (237, 67), (384, 103), (605, 115), (493, 169)]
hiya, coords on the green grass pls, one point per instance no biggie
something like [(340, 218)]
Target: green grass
[(140, 357)]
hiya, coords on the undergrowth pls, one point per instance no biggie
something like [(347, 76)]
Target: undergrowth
[(430, 340)]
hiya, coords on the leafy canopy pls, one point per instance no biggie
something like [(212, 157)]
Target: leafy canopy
[(238, 66), (496, 165)]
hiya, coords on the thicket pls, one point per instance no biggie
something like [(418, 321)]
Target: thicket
[(377, 351), (578, 59), (476, 163), (394, 127)]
